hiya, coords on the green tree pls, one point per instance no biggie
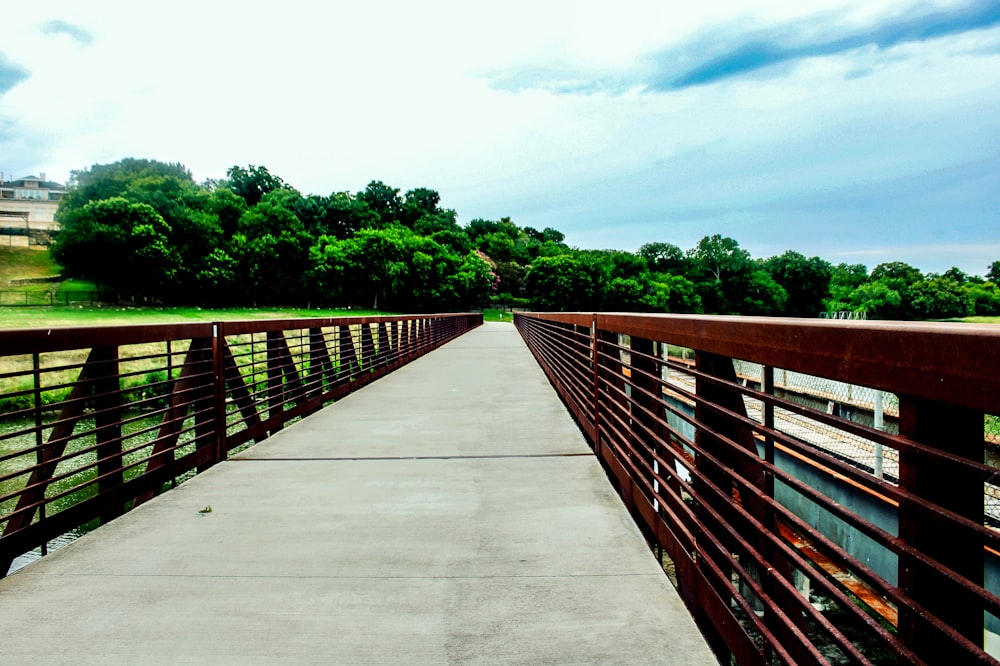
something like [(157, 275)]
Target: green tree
[(473, 282), (876, 300), (722, 271), (456, 239), (678, 294), (498, 246), (511, 275), (384, 202), (217, 280), (956, 275), (227, 207), (345, 214), (272, 249), (848, 275), (663, 258), (844, 279), (896, 274), (478, 228), (630, 295), (566, 282), (550, 235), (329, 270), (311, 211), (763, 296), (442, 220), (993, 272), (899, 277), (805, 281), (417, 203), (395, 269), (192, 228), (117, 243), (253, 182), (984, 297), (940, 298), (103, 181), (623, 264)]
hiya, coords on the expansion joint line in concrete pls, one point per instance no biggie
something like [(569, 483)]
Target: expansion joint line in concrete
[(398, 458)]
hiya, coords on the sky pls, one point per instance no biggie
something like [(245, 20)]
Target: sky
[(860, 131)]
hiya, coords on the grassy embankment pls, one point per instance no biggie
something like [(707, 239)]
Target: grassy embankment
[(17, 263)]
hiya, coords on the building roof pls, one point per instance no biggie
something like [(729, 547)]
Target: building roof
[(42, 184)]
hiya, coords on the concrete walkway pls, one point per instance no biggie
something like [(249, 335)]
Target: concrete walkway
[(450, 513)]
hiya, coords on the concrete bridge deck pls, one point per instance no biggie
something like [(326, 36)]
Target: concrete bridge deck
[(450, 513)]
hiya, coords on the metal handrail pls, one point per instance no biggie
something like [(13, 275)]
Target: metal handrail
[(96, 420), (784, 548)]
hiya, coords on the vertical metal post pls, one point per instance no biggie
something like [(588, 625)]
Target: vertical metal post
[(767, 384), (39, 439), (107, 422), (317, 367), (367, 348), (712, 425), (170, 363), (219, 392), (394, 342), (383, 344), (936, 480), (879, 425), (347, 356), (275, 402), (645, 371), (595, 363)]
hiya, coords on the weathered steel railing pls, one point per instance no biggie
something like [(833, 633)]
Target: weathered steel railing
[(96, 420), (797, 531)]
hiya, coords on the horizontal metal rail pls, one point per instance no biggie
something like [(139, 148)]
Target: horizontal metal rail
[(771, 509), (96, 420)]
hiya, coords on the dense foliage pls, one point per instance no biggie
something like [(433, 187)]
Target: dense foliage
[(148, 231)]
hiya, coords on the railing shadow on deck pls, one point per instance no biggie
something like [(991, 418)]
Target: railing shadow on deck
[(97, 420), (795, 530)]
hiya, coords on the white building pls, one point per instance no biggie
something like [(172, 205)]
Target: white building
[(27, 210)]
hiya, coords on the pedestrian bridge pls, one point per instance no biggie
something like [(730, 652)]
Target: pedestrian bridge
[(706, 488)]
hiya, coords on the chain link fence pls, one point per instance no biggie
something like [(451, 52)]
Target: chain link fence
[(863, 405), (859, 404), (34, 298)]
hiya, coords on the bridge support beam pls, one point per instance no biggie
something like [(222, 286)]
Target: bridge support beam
[(937, 481)]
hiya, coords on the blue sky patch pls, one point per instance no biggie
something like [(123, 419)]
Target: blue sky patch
[(10, 74), (76, 33), (756, 51)]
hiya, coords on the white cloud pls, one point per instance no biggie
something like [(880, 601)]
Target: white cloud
[(331, 96)]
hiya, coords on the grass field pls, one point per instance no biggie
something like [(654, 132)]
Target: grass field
[(31, 317), (18, 317), (18, 263), (21, 263)]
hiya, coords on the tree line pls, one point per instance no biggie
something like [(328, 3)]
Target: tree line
[(148, 231)]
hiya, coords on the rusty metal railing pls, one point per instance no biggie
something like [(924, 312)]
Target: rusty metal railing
[(798, 526), (96, 420)]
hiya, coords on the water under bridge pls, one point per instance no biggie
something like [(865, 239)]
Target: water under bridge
[(672, 507)]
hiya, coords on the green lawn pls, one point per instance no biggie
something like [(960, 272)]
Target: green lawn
[(80, 315), (18, 263), (498, 315), (28, 317)]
